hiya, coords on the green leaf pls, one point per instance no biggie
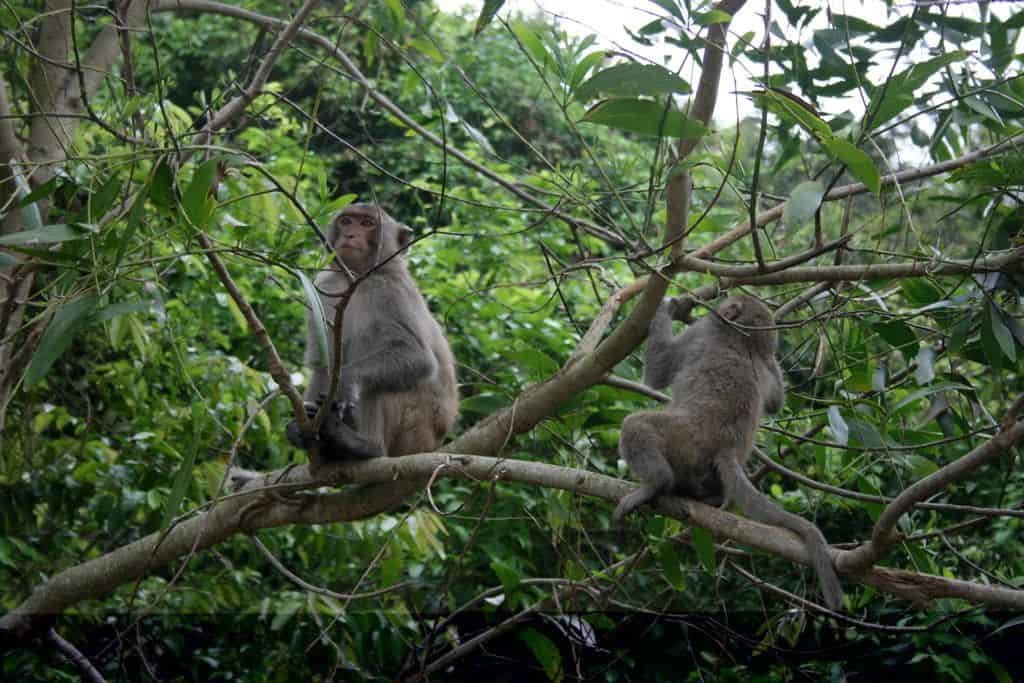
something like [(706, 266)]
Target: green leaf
[(671, 563), (999, 333), (921, 466), (507, 574), (319, 317), (48, 234), (585, 65), (196, 201), (704, 544), (898, 93), (898, 335), (629, 80), (58, 336), (803, 202), (397, 11), (6, 260), (531, 43), (715, 16), (162, 186), (794, 110), (41, 192), (487, 13), (200, 418), (645, 117), (920, 292), (928, 391), (671, 7), (391, 566), (859, 163), (545, 652)]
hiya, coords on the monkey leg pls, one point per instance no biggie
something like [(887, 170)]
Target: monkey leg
[(642, 446), (759, 507)]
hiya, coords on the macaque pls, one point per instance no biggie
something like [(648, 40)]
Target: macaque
[(724, 375), (397, 392)]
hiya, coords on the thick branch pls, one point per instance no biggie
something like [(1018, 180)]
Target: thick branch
[(250, 510)]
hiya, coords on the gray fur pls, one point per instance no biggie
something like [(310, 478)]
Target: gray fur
[(398, 392), (724, 376)]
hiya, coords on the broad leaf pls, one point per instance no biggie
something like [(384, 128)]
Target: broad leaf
[(196, 200), (859, 163), (58, 336), (487, 13), (628, 80), (48, 234), (645, 117)]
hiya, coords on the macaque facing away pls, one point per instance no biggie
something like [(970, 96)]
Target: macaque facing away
[(724, 375), (398, 392)]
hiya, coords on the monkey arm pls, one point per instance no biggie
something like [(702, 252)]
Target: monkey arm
[(390, 358), (665, 353)]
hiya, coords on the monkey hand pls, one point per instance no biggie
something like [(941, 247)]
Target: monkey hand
[(681, 308), (295, 434)]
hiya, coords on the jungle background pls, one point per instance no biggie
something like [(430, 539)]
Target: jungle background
[(159, 188)]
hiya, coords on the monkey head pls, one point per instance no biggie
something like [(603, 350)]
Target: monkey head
[(364, 235), (750, 318)]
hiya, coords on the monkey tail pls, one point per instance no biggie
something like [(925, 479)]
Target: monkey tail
[(759, 507)]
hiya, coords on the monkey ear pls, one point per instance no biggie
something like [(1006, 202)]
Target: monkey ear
[(403, 235), (731, 310)]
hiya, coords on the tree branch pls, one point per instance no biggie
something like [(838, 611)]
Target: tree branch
[(883, 536), (255, 508)]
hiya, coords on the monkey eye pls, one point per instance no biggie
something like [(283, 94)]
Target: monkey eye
[(368, 223), (345, 220)]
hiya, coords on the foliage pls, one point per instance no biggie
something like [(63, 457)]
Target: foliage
[(146, 380)]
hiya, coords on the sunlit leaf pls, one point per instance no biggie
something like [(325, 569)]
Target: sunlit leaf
[(628, 80), (487, 13), (645, 117)]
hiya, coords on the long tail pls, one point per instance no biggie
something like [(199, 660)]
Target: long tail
[(759, 507)]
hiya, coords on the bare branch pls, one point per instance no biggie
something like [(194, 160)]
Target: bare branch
[(85, 668), (1009, 261), (883, 536), (238, 104)]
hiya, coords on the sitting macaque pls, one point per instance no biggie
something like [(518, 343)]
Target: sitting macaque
[(724, 375), (397, 392)]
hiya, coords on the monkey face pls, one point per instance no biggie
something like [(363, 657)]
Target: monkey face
[(364, 235)]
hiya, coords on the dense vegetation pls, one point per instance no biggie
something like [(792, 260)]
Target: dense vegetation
[(542, 174)]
